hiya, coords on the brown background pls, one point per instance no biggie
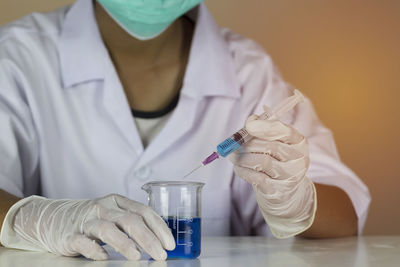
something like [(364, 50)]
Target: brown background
[(345, 55)]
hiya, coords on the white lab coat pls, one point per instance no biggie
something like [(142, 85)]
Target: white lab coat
[(67, 130)]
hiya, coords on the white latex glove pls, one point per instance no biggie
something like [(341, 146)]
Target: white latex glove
[(275, 162), (72, 227)]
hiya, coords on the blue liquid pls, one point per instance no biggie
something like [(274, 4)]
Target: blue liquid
[(227, 147), (187, 235)]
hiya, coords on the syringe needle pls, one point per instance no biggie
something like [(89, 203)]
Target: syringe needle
[(208, 160), (192, 171)]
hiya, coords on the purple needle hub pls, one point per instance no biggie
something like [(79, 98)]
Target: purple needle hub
[(210, 158)]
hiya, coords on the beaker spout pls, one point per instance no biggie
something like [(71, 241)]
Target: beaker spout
[(146, 187)]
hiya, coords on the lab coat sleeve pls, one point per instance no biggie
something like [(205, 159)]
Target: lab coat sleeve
[(261, 79), (18, 142), (325, 164)]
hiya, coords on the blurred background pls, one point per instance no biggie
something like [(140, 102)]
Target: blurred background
[(343, 54)]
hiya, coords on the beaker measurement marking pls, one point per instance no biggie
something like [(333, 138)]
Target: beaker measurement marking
[(189, 231)]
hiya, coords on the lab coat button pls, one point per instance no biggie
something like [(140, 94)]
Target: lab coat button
[(143, 173)]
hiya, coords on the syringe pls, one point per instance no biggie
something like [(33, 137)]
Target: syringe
[(242, 136)]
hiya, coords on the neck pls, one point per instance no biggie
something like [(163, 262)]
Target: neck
[(152, 71)]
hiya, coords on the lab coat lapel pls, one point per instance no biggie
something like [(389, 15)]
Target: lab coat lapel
[(84, 58), (117, 107), (179, 124)]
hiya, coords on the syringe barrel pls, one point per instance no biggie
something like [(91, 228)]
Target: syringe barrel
[(234, 142)]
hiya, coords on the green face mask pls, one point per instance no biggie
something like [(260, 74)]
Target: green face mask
[(146, 19)]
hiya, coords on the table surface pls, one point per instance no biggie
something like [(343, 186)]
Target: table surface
[(244, 251)]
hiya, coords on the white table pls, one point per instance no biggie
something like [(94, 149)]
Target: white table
[(245, 252)]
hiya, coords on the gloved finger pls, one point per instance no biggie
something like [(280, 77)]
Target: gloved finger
[(135, 227), (151, 218), (277, 150), (109, 233), (273, 130), (267, 110), (252, 118), (87, 247), (275, 189), (257, 162), (259, 180), (266, 164), (250, 176), (285, 202)]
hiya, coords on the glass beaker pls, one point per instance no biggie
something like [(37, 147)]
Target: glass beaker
[(179, 204)]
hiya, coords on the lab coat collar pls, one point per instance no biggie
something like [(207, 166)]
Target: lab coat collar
[(210, 70), (81, 46)]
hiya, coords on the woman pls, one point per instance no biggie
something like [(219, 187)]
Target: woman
[(101, 97)]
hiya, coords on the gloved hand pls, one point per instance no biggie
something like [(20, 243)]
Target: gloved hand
[(275, 163), (71, 227)]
